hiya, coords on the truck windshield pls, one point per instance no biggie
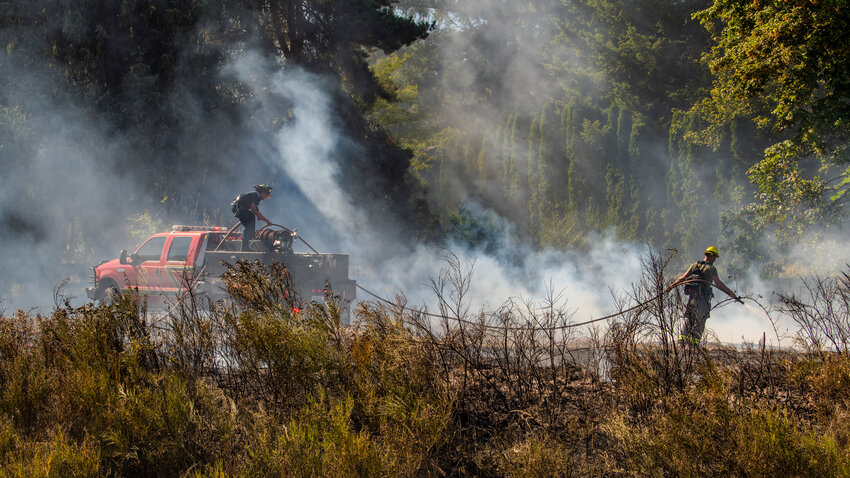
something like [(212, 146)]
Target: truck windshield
[(151, 250)]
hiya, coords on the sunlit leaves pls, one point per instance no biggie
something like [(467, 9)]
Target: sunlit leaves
[(786, 196), (783, 64), (404, 108)]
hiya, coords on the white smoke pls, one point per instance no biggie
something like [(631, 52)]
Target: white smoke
[(586, 281), (55, 190)]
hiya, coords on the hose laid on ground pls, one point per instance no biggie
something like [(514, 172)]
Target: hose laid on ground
[(494, 327), (505, 327)]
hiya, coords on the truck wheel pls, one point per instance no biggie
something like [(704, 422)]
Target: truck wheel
[(108, 293)]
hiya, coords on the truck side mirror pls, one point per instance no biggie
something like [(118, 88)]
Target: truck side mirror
[(122, 259)]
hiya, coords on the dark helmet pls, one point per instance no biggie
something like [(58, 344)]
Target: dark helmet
[(263, 188)]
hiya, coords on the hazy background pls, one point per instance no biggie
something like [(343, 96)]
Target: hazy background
[(81, 181)]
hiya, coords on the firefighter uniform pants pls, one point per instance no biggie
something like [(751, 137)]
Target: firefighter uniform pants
[(696, 315), (249, 222)]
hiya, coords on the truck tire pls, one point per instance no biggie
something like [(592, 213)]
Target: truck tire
[(108, 292)]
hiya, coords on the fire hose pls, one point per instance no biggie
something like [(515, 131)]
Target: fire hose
[(290, 231), (294, 233), (479, 324), (528, 327), (505, 327), (226, 236)]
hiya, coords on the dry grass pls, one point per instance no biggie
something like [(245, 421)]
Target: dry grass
[(247, 387)]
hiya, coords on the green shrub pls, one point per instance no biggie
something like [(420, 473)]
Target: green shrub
[(319, 441), (827, 382), (545, 456), (382, 415), (825, 385), (701, 432), (56, 457)]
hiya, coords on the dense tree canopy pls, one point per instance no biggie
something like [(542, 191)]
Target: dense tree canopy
[(783, 65), (677, 123), (562, 139)]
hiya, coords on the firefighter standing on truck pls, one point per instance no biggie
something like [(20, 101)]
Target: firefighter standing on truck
[(698, 280), (246, 208)]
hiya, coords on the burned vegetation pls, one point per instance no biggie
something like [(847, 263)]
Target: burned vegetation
[(258, 386)]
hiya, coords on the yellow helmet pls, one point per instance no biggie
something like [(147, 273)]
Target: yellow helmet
[(712, 250)]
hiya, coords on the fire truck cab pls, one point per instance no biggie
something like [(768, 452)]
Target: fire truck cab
[(167, 263)]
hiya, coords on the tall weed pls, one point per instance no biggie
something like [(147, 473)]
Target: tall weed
[(701, 433), (57, 456), (822, 313)]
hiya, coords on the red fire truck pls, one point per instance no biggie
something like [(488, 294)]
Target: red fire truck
[(166, 262)]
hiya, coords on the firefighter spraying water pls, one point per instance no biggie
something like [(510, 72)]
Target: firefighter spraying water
[(698, 280)]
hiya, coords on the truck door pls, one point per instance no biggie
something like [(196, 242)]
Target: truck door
[(148, 269), (175, 276)]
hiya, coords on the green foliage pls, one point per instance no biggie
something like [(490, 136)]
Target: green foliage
[(100, 384), (652, 65), (353, 401), (785, 55), (700, 433), (320, 441), (542, 456), (144, 225), (560, 230), (404, 107), (779, 65), (825, 383), (760, 151), (338, 35), (615, 80), (395, 385), (786, 197), (56, 456)]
